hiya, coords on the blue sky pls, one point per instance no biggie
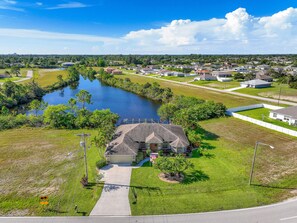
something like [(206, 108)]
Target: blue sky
[(148, 27)]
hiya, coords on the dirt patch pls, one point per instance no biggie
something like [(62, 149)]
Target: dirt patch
[(275, 96), (16, 213), (172, 180)]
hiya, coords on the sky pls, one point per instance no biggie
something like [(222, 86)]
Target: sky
[(148, 27)]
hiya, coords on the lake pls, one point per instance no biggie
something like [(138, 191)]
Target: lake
[(126, 104)]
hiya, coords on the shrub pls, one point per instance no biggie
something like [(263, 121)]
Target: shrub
[(101, 163)]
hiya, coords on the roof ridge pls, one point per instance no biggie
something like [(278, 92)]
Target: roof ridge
[(169, 131)]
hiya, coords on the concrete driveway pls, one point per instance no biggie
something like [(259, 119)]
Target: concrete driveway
[(114, 199)]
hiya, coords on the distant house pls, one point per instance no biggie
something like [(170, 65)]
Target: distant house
[(263, 67), (256, 83), (222, 76), (147, 71), (109, 70), (116, 72), (241, 69), (68, 64), (263, 76), (179, 74), (202, 72), (131, 139), (288, 115), (4, 75), (205, 77)]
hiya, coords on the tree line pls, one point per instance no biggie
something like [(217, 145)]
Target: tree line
[(151, 91)]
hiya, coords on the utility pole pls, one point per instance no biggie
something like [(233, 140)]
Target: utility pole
[(254, 158), (279, 95), (83, 144)]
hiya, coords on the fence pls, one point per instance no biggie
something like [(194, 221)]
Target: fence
[(277, 128)]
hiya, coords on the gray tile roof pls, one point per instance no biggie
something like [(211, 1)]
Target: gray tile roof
[(127, 137), (290, 111), (153, 138)]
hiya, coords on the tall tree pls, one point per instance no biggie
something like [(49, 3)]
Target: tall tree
[(37, 106), (83, 97), (16, 71)]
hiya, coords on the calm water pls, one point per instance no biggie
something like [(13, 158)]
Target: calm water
[(126, 104)]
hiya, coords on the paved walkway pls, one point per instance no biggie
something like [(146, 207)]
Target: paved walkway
[(114, 200), (28, 77), (234, 89)]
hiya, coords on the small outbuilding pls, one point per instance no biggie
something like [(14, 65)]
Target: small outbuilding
[(256, 83)]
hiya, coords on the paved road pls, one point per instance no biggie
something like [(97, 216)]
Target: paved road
[(114, 200), (285, 212), (223, 91), (28, 77)]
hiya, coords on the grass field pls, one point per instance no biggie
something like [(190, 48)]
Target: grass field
[(220, 178), (282, 90), (263, 115), (225, 98), (218, 84), (46, 77), (34, 163), (179, 79)]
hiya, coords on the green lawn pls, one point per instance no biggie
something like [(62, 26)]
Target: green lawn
[(10, 79), (46, 77), (179, 79), (34, 163), (220, 178), (282, 90), (218, 84), (263, 115), (225, 98)]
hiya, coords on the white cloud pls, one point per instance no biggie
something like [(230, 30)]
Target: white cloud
[(10, 5), (237, 33), (37, 34), (39, 3), (69, 5)]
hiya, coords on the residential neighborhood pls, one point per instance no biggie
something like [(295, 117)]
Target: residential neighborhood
[(148, 112)]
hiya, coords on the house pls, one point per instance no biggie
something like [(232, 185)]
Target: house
[(256, 83), (241, 69), (263, 76), (165, 72), (131, 139), (68, 64), (109, 70), (222, 76), (116, 72), (4, 75), (205, 77), (202, 72), (147, 71), (263, 67), (179, 74), (285, 114)]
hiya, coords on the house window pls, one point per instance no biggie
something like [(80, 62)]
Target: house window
[(274, 115), (286, 118)]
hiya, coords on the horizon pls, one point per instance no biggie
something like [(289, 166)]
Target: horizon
[(158, 28)]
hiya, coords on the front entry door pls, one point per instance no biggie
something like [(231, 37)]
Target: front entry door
[(154, 147)]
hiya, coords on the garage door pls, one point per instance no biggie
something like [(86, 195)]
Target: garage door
[(120, 159)]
